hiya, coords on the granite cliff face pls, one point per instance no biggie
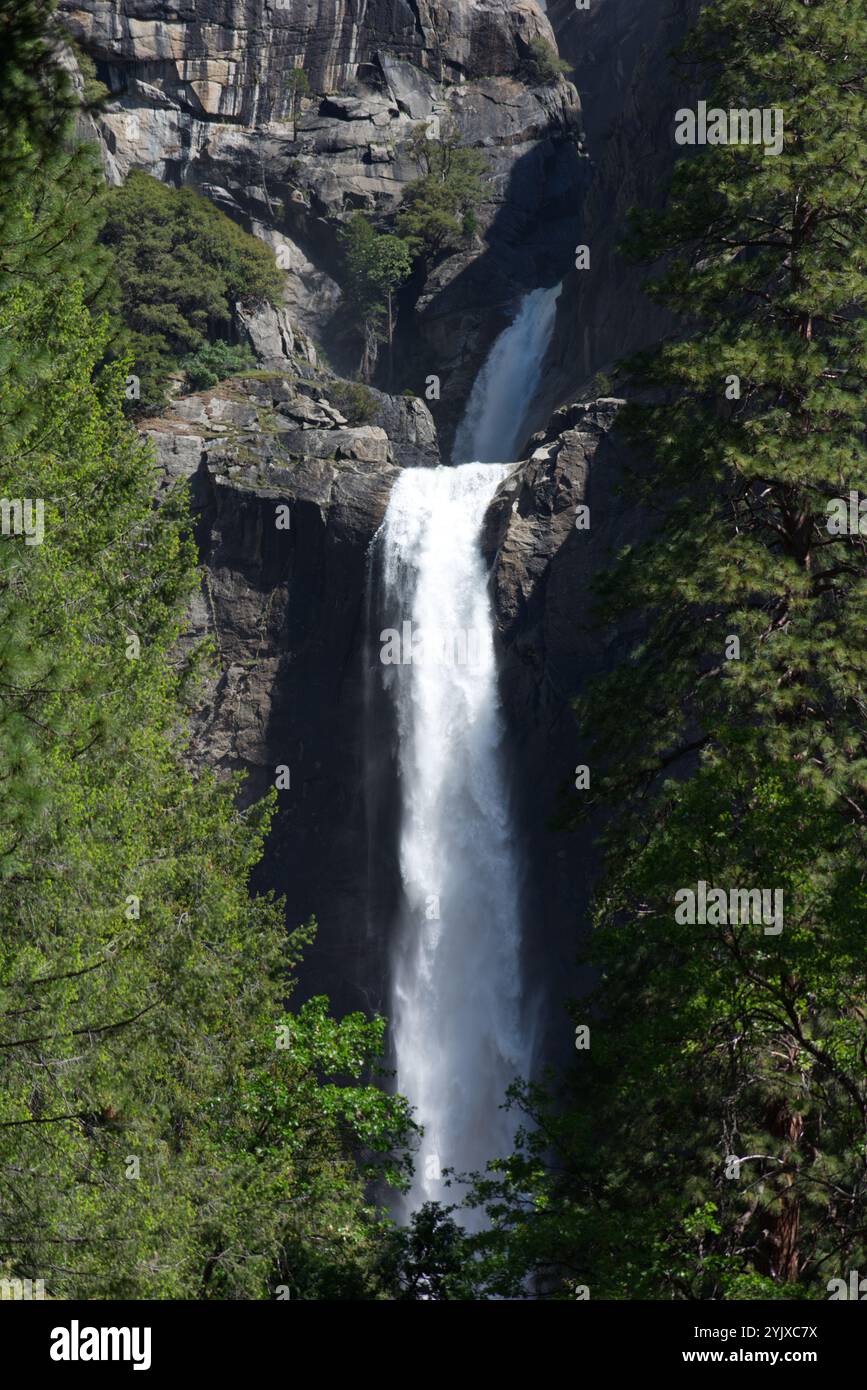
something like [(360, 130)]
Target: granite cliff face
[(225, 58), (544, 555), (630, 90), (199, 97), (287, 496)]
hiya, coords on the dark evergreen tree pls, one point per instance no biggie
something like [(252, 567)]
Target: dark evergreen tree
[(376, 265)]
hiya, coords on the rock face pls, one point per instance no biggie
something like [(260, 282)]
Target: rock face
[(274, 339), (228, 58), (630, 91), (543, 566), (199, 97), (287, 497), (410, 428), (530, 238)]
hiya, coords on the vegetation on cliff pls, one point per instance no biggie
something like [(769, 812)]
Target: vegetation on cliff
[(181, 266), (376, 265), (543, 65), (437, 214), (439, 209)]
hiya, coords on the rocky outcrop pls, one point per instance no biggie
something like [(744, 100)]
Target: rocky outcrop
[(287, 497), (228, 59), (410, 428), (276, 341)]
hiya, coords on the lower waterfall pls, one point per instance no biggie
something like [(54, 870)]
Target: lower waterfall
[(461, 1034)]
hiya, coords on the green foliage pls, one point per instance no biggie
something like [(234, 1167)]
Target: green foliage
[(94, 92), (297, 82), (354, 400), (213, 362), (431, 1260), (301, 1138), (439, 210), (544, 66), (438, 213), (36, 95), (601, 386), (181, 265), (376, 265), (721, 1041), (297, 86)]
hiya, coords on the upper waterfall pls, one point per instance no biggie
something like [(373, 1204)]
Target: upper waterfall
[(496, 413)]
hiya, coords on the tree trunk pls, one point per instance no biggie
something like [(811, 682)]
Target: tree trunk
[(781, 1261)]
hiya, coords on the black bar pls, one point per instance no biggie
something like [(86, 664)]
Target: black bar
[(227, 1339)]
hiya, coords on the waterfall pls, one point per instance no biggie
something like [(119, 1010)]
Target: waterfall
[(460, 1031), (490, 431)]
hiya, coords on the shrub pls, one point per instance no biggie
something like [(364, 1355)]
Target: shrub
[(544, 65), (602, 385), (94, 91), (213, 362), (354, 400)]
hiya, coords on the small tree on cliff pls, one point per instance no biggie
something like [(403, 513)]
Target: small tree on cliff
[(440, 209), (544, 66), (297, 86), (376, 265)]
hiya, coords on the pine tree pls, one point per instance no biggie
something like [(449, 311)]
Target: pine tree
[(297, 87), (377, 264), (439, 209)]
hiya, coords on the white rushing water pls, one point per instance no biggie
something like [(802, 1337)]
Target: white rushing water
[(490, 431), (460, 1031)]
